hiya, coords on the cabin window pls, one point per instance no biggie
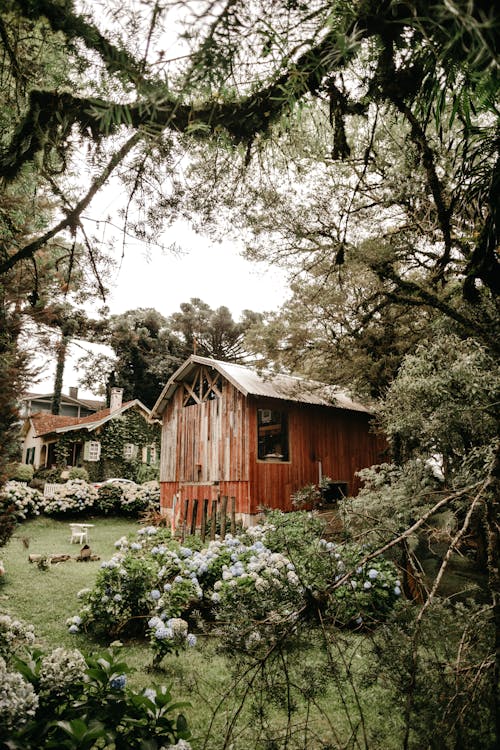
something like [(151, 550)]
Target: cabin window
[(272, 430), (30, 456)]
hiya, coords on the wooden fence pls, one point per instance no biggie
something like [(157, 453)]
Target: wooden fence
[(219, 515)]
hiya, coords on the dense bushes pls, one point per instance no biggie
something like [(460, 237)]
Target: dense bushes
[(77, 497), (241, 582), (62, 699)]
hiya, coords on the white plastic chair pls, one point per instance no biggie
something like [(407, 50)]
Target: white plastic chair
[(79, 535)]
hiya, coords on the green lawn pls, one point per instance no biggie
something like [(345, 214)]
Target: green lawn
[(201, 675), (47, 598)]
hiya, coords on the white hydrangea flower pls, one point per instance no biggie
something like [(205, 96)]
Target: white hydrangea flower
[(60, 669), (18, 700)]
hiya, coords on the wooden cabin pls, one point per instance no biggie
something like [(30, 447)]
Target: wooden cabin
[(232, 431)]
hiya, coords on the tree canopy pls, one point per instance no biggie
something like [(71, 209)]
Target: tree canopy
[(238, 75)]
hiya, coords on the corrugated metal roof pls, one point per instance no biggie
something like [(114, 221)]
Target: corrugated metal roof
[(266, 385)]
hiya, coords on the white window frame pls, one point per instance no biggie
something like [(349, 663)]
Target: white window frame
[(129, 451), (92, 450)]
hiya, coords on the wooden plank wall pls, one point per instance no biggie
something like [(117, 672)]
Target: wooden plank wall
[(206, 442), (209, 450), (340, 439)]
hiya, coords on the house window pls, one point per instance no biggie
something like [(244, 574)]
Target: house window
[(272, 431), (92, 451), (149, 455), (30, 455), (129, 451)]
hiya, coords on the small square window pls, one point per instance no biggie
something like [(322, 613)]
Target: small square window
[(92, 451)]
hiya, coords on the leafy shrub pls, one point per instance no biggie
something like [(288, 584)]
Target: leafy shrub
[(75, 497), (140, 498), (147, 473), (242, 583), (130, 500), (62, 699), (48, 475), (449, 685), (20, 472), (78, 472), (109, 497), (170, 636), (25, 500)]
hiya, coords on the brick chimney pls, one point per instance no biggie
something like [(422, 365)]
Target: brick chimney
[(115, 400), (73, 391)]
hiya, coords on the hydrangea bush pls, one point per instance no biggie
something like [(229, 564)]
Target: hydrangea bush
[(25, 500), (127, 499), (152, 579), (76, 497), (169, 636), (62, 699)]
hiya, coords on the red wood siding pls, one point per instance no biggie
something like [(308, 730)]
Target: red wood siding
[(209, 450), (340, 439)]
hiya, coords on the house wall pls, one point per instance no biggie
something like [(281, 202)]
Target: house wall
[(327, 441), (205, 449), (209, 450), (30, 441)]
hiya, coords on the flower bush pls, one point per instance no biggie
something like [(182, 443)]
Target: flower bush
[(25, 500), (141, 498), (75, 497), (14, 635), (240, 583), (167, 637), (62, 699), (127, 499)]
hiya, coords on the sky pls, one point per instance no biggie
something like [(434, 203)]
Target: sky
[(215, 272)]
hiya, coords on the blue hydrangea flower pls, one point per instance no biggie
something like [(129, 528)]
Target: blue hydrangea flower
[(155, 594), (373, 573), (191, 639), (118, 683), (73, 628)]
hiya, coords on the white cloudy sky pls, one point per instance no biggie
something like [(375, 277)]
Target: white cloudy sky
[(214, 272)]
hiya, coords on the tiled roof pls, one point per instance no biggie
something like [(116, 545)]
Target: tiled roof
[(46, 423)]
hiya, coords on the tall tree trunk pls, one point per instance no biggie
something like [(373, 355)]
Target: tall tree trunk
[(62, 349), (492, 503)]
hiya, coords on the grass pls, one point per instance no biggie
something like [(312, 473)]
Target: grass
[(202, 675)]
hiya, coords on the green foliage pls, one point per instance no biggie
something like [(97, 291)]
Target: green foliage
[(120, 600), (147, 473), (60, 699), (441, 678), (444, 401), (78, 472), (244, 584), (20, 472), (169, 637)]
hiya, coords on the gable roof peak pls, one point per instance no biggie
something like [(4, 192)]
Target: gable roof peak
[(255, 382)]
